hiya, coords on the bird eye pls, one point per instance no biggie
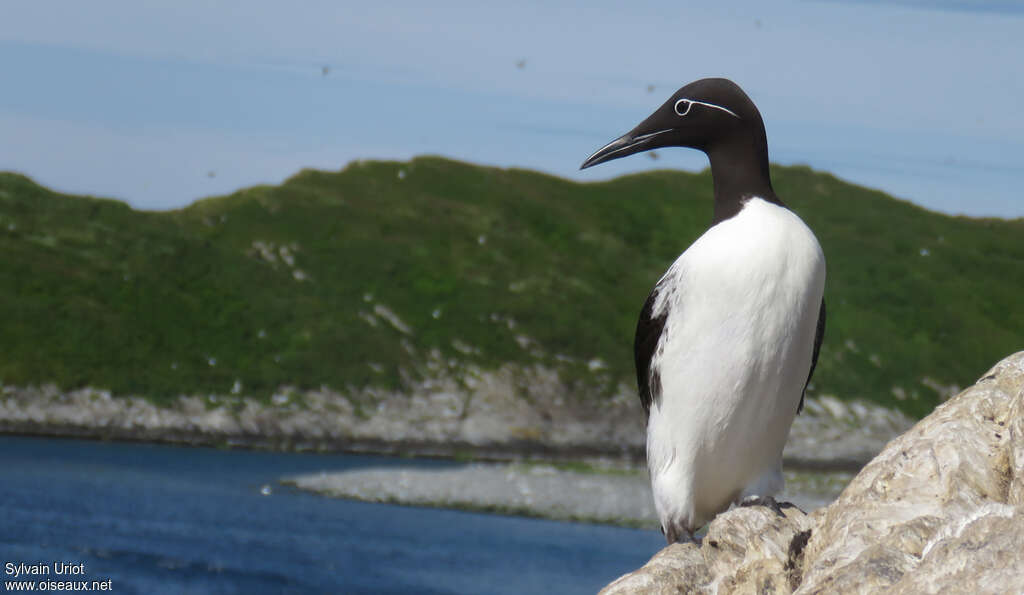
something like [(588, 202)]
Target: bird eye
[(683, 107)]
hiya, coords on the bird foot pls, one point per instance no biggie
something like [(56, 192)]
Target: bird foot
[(767, 501), (679, 535)]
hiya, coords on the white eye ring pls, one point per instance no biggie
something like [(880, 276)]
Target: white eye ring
[(690, 103)]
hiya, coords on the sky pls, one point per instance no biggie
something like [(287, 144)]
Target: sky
[(161, 103)]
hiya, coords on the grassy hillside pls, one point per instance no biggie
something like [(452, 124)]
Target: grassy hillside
[(352, 278)]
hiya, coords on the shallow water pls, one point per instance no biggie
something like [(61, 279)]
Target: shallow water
[(165, 519)]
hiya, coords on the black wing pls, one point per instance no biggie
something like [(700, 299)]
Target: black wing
[(818, 336), (648, 332)]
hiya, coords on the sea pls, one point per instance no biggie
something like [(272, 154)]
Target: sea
[(146, 518)]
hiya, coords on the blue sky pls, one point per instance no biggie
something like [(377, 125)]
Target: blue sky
[(161, 103)]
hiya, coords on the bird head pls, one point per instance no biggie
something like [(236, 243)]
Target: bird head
[(704, 115)]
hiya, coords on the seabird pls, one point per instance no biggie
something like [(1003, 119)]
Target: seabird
[(728, 338)]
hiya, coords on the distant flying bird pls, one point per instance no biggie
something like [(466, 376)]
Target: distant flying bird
[(650, 88), (728, 339), (325, 70), (521, 64)]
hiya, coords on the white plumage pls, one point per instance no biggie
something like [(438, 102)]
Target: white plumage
[(742, 310)]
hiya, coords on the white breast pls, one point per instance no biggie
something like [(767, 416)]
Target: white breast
[(742, 305)]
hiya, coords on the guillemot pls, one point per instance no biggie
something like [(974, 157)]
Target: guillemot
[(728, 339)]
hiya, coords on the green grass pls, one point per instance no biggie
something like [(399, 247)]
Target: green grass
[(469, 258)]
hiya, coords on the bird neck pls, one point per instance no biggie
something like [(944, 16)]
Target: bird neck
[(739, 171)]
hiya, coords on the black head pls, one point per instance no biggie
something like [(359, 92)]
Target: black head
[(709, 115), (714, 116)]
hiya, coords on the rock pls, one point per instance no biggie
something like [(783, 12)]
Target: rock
[(941, 509), (953, 469), (675, 569), (746, 550), (508, 413)]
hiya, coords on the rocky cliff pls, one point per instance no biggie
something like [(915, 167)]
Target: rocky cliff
[(939, 510)]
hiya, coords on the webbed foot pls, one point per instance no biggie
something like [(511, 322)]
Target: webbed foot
[(766, 501), (678, 535)]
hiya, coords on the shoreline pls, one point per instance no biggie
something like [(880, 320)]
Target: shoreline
[(586, 489), (605, 496), (516, 452), (490, 422)]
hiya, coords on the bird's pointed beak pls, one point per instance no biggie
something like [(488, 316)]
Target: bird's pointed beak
[(627, 144)]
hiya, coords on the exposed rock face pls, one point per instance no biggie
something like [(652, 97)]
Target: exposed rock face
[(509, 411), (940, 510)]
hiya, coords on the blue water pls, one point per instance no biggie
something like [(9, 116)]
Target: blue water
[(164, 519)]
